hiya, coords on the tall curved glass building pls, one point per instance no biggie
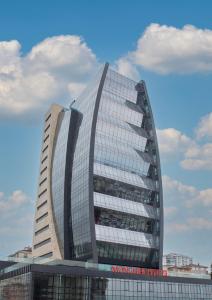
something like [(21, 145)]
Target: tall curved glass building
[(100, 191)]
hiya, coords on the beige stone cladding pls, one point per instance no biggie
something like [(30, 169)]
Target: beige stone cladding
[(45, 241)]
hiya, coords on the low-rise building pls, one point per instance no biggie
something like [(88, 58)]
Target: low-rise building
[(176, 259), (21, 254), (192, 270)]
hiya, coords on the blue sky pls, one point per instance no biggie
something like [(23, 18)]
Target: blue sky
[(48, 50)]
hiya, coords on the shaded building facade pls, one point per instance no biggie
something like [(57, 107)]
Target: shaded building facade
[(100, 191)]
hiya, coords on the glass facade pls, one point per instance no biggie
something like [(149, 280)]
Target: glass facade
[(126, 253), (112, 193), (81, 213), (126, 172), (111, 187), (58, 286), (16, 288), (122, 220), (80, 288)]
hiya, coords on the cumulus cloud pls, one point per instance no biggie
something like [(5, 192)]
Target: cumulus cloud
[(204, 128), (172, 141), (186, 208), (167, 49), (16, 211), (177, 190), (54, 70), (15, 200), (205, 197), (193, 153), (9, 57), (66, 54), (191, 224), (170, 211), (125, 67), (185, 195), (196, 164), (198, 157), (75, 88), (58, 68)]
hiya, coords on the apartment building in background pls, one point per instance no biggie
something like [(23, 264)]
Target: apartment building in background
[(176, 259)]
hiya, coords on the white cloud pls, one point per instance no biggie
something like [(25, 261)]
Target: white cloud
[(19, 197), (204, 127), (166, 49), (54, 70), (172, 141), (170, 211), (196, 164), (192, 153), (9, 57), (205, 196), (75, 88), (197, 223), (176, 192), (58, 68), (176, 227), (125, 67), (186, 208), (198, 157), (64, 54), (16, 219), (15, 200)]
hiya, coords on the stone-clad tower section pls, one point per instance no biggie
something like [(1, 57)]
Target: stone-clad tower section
[(45, 239)]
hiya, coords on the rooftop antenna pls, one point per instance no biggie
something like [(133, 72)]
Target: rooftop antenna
[(72, 103)]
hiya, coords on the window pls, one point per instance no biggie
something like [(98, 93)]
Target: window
[(42, 193), (42, 243), (45, 158), (46, 255), (46, 138), (42, 182), (42, 171), (122, 190), (49, 116), (41, 217), (42, 230), (41, 205), (47, 128), (45, 149)]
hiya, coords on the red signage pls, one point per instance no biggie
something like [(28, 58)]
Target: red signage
[(139, 271)]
